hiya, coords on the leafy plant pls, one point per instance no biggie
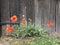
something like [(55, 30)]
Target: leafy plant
[(29, 30), (25, 30), (37, 41)]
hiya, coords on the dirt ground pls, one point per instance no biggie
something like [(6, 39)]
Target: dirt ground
[(4, 43)]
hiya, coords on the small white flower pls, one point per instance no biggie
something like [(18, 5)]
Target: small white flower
[(23, 15)]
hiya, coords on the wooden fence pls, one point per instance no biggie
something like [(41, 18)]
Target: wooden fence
[(40, 11)]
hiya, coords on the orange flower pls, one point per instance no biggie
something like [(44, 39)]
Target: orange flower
[(10, 29), (14, 19), (24, 21), (50, 24)]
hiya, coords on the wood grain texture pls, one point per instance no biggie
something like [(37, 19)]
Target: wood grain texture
[(40, 11)]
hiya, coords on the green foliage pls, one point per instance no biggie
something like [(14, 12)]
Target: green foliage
[(47, 41), (37, 41), (29, 30)]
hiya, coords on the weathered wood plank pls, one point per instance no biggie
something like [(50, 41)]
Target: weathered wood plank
[(30, 9), (58, 16), (4, 14), (52, 14), (0, 10), (40, 11)]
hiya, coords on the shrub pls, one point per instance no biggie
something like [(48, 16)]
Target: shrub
[(28, 31)]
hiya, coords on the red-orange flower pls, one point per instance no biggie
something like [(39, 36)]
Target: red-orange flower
[(50, 24), (14, 19), (10, 29), (24, 21)]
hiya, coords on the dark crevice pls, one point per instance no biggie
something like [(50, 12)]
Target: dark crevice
[(0, 20)]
